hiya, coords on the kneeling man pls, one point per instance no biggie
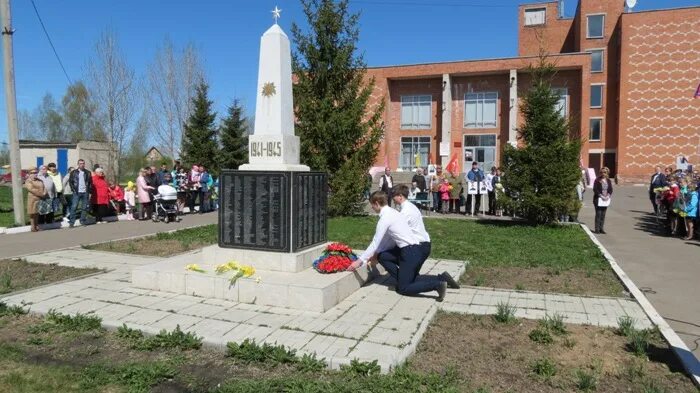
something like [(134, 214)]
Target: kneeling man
[(388, 255), (393, 228)]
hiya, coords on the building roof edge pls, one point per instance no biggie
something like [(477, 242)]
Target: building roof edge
[(477, 60)]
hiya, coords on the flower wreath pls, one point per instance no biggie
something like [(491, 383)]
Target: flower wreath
[(335, 258)]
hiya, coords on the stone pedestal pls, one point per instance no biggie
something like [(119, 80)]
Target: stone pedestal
[(305, 290)]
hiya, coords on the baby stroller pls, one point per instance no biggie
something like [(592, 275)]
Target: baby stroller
[(165, 204)]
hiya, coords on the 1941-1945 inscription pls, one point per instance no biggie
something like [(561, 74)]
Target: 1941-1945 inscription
[(266, 149)]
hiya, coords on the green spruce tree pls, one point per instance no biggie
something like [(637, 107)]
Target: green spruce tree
[(339, 132), (234, 138), (199, 145), (541, 176)]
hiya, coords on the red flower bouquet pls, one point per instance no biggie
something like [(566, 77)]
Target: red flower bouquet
[(336, 258)]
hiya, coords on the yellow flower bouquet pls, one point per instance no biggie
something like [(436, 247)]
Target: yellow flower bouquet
[(194, 267), (238, 269)]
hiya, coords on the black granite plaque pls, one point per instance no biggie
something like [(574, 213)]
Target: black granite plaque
[(254, 211), (309, 199)]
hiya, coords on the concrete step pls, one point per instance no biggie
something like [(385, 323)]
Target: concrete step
[(265, 260), (305, 290)]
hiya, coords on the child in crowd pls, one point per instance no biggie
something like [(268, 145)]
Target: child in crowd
[(130, 200), (445, 195), (116, 198)]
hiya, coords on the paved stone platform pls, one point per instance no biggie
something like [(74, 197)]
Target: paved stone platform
[(374, 323)]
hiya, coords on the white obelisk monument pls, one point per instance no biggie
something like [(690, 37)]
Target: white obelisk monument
[(273, 145)]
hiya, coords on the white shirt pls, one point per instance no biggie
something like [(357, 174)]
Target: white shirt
[(415, 221), (413, 192), (489, 182), (392, 226)]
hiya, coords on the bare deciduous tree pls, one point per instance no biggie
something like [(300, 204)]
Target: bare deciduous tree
[(27, 125), (112, 85), (171, 80)]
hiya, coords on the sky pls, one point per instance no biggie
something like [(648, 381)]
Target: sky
[(227, 35)]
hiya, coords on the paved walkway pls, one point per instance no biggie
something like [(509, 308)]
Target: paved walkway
[(27, 243), (666, 269), (374, 323)]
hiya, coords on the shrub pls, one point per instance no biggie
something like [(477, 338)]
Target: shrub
[(127, 333), (138, 377), (5, 283), (625, 326), (249, 351), (541, 335), (555, 324), (505, 313), (309, 363), (12, 311), (639, 341), (544, 368), (586, 380), (359, 368), (78, 323), (165, 340)]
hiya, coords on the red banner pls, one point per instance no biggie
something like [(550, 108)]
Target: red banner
[(452, 167)]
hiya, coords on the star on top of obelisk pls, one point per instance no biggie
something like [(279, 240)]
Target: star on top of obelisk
[(276, 14)]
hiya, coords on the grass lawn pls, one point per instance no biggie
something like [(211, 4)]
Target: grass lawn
[(16, 275), (501, 254), (7, 215), (458, 354)]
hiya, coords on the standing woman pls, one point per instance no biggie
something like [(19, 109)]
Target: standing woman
[(691, 209), (602, 191), (100, 195), (142, 190), (34, 196), (45, 209)]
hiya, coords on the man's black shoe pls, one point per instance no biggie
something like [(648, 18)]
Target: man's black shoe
[(441, 290), (446, 277)]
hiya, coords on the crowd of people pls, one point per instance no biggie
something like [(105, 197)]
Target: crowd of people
[(674, 196), (82, 191), (445, 192)]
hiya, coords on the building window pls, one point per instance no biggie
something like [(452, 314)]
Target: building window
[(480, 148), (596, 26), (414, 152), (480, 110), (596, 129), (597, 62), (416, 112), (562, 105), (596, 96), (535, 16)]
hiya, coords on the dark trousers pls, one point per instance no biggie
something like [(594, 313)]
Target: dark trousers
[(389, 195), (600, 218), (652, 197), (100, 211), (67, 205), (404, 264), (191, 199), (492, 202), (477, 203), (146, 210), (75, 202)]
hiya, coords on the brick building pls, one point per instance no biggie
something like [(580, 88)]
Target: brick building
[(626, 82)]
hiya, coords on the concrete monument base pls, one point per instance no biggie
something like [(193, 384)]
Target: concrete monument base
[(292, 262), (302, 290)]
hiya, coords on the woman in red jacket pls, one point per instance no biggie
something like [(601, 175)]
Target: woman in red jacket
[(116, 196), (100, 195)]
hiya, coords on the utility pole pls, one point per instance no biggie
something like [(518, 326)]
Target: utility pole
[(11, 101)]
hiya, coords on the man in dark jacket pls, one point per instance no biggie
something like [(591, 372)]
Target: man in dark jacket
[(658, 180), (80, 182), (419, 179), (386, 184)]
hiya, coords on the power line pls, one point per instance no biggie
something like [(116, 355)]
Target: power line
[(51, 43), (436, 4)]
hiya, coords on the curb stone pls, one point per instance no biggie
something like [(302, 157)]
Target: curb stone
[(686, 357)]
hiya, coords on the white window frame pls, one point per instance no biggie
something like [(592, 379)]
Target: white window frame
[(590, 129), (539, 9), (602, 59), (481, 96), (588, 30), (413, 139), (602, 95), (468, 165), (559, 91), (415, 123)]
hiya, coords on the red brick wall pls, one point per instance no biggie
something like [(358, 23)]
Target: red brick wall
[(660, 70), (555, 36)]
